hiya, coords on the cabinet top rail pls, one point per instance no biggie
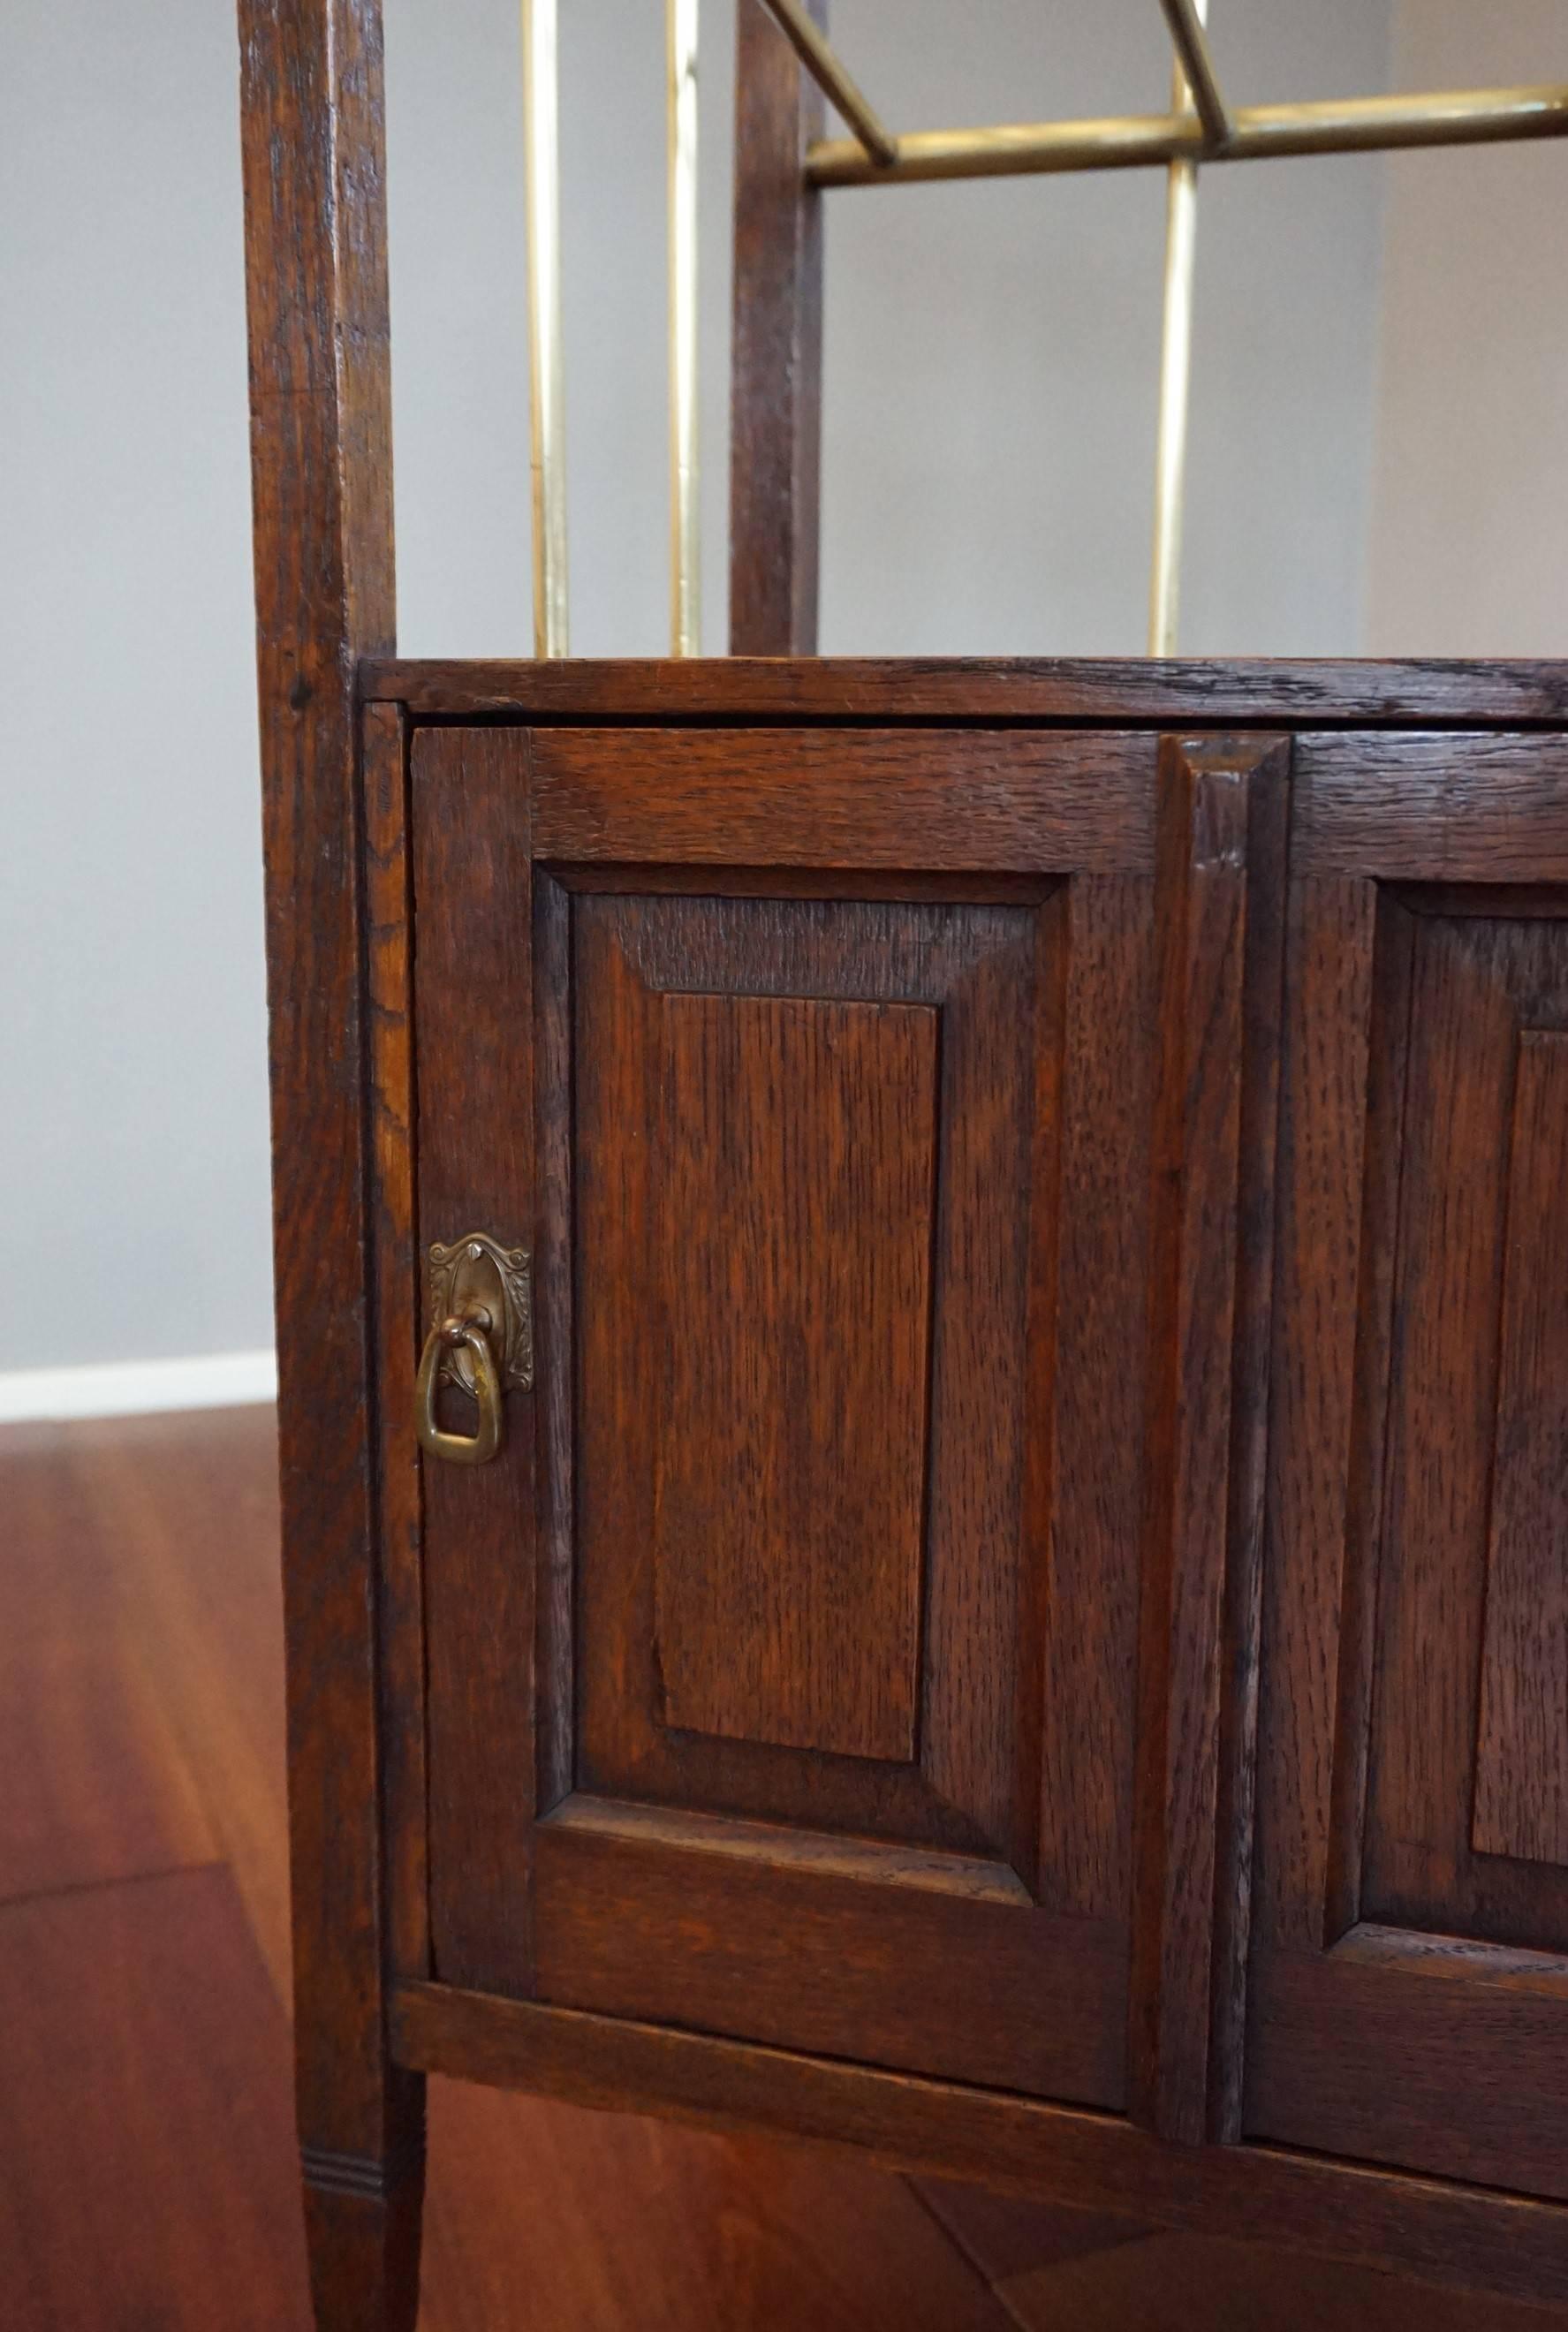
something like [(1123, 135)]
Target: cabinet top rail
[(1445, 693)]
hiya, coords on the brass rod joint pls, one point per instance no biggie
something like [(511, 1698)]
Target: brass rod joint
[(1196, 65), (1352, 125), (822, 62)]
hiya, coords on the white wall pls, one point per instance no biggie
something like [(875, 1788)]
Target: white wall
[(989, 456), (1469, 515), (133, 1148)]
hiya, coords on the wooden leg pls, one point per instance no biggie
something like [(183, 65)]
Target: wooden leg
[(362, 2222)]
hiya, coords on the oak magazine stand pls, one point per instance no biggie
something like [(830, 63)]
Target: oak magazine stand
[(922, 1308)]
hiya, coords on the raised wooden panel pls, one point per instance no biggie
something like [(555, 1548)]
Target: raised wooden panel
[(1408, 1997), (1463, 1439), (1521, 1767), (796, 1169), (773, 1261)]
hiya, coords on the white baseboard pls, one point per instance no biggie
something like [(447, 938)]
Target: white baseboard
[(134, 1388)]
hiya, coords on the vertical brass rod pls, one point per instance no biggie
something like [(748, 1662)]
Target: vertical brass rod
[(1175, 384), (546, 377), (827, 69), (685, 575), (1185, 19)]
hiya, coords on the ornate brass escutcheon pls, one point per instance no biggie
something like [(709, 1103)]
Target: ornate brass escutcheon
[(481, 1340)]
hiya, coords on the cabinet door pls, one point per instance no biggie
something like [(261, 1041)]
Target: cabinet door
[(1409, 1992), (784, 1670)]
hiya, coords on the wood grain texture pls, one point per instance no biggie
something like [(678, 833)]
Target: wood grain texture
[(1441, 694), (150, 2168), (652, 2225), (776, 345), (390, 921), (997, 973), (1450, 2233), (794, 1231), (1178, 2282), (1436, 810), (854, 1966), (473, 939), (1478, 981), (1454, 2063), (1522, 1753), (1084, 1482), (322, 474), (655, 2228), (1329, 966), (1222, 830), (1401, 1433), (180, 1547), (158, 1536), (824, 799), (96, 1785), (976, 964)]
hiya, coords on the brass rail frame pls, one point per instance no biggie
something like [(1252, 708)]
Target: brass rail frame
[(1199, 127)]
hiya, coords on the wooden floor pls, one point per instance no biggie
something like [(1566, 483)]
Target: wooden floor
[(146, 2177)]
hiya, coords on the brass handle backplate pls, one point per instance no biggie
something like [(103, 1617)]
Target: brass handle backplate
[(481, 1340)]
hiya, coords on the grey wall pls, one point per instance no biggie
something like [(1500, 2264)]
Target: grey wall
[(133, 1163), (989, 454), (1469, 515)]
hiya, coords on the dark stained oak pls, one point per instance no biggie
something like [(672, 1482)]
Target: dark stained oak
[(1408, 1975), (972, 966), (1223, 807), (1467, 808), (311, 109), (776, 345), (995, 1639), (1465, 2235), (782, 1454), (807, 1150), (1235, 692), (981, 803), (472, 928), (398, 1325), (1522, 1749)]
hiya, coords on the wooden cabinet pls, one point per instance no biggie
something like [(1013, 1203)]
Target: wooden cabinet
[(1014, 1613), (1021, 1622)]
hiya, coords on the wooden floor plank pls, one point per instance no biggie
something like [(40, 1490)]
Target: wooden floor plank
[(96, 1786), (188, 1506), (545, 2218), (148, 2176), (144, 2080), (1010, 2236), (1193, 2283)]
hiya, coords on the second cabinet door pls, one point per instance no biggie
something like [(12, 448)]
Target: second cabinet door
[(782, 1671), (1408, 1995)]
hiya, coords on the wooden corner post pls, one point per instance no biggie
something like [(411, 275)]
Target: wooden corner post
[(321, 404), (776, 366)]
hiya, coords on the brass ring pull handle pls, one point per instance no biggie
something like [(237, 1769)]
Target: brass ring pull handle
[(468, 1331)]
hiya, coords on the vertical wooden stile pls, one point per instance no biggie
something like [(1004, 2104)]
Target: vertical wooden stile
[(320, 405), (1220, 856), (776, 366)]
